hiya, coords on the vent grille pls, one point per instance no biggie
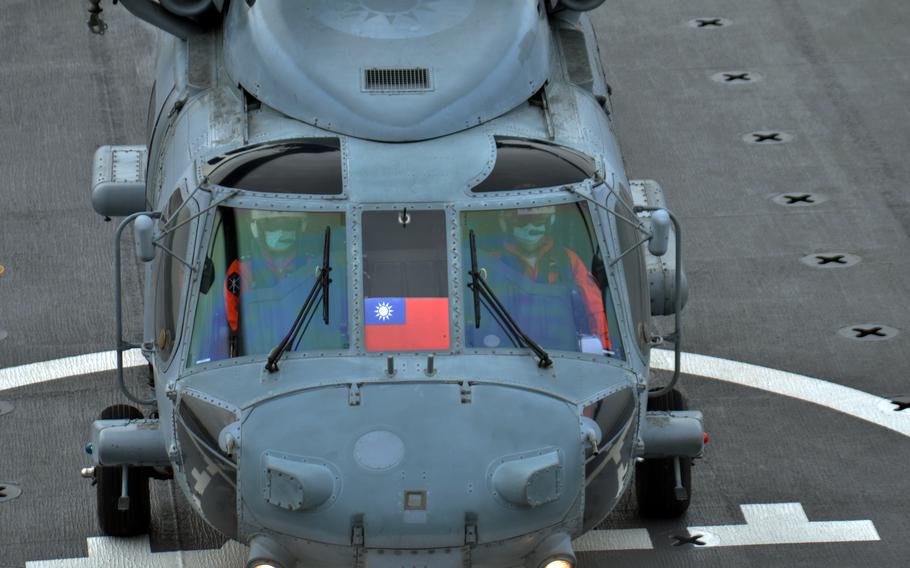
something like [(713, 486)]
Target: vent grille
[(413, 80)]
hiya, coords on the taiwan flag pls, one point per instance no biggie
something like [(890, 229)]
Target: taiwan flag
[(406, 324)]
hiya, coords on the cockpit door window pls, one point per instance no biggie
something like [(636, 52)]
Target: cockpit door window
[(170, 276), (405, 281)]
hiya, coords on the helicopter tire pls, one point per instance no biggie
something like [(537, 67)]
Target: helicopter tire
[(655, 479), (136, 519)]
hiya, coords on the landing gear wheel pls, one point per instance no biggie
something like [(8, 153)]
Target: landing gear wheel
[(655, 479), (135, 520)]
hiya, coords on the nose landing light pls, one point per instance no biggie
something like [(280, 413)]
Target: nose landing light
[(266, 553), (554, 552)]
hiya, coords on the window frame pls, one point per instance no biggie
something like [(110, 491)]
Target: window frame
[(455, 341)]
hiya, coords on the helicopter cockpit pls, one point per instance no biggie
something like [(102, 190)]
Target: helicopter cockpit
[(542, 263)]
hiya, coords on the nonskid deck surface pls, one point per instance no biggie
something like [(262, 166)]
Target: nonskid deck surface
[(795, 250)]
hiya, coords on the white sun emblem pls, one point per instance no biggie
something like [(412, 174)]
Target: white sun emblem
[(393, 19), (384, 311)]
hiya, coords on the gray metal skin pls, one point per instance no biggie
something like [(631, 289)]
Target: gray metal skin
[(462, 436)]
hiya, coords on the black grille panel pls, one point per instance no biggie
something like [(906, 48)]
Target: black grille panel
[(396, 80)]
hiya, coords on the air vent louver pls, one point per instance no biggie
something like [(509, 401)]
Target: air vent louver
[(413, 80)]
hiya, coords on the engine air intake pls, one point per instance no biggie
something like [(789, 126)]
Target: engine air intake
[(396, 80)]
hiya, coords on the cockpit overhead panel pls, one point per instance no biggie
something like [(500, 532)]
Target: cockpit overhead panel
[(466, 62)]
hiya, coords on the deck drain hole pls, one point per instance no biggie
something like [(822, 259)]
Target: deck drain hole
[(901, 403), (682, 540), (767, 137), (736, 77), (9, 491), (708, 23), (868, 332), (5, 407), (799, 199), (830, 260)]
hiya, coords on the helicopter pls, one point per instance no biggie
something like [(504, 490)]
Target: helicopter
[(398, 288)]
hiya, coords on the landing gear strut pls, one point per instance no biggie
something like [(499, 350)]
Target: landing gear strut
[(664, 485), (124, 507)]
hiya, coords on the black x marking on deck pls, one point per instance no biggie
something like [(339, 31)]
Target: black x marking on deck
[(863, 332), (689, 539), (731, 77), (706, 22), (794, 199), (771, 137), (834, 259)]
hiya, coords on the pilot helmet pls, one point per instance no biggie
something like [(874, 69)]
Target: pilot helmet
[(529, 225), (278, 231)]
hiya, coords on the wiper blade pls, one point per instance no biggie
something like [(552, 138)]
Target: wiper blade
[(301, 322), (475, 278), (480, 288)]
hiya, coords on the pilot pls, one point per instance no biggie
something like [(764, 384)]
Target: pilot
[(545, 286), (265, 288)]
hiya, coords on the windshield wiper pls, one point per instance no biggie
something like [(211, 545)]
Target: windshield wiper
[(475, 288), (480, 288), (305, 313)]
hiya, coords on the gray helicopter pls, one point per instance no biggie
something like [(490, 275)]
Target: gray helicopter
[(398, 287)]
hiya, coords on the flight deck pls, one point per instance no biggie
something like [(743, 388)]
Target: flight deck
[(778, 131)]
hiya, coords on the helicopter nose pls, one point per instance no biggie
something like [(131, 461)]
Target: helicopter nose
[(411, 465)]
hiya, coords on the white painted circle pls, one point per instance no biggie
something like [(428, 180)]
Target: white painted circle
[(379, 450)]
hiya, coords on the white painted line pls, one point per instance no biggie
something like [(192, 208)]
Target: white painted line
[(135, 552), (784, 523), (843, 399), (625, 539), (24, 375)]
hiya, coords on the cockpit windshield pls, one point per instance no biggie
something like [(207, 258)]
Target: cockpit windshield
[(259, 268), (545, 267)]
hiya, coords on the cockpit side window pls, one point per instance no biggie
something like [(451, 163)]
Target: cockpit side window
[(260, 266), (545, 266), (636, 277), (405, 281), (528, 164), (312, 166), (171, 274)]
